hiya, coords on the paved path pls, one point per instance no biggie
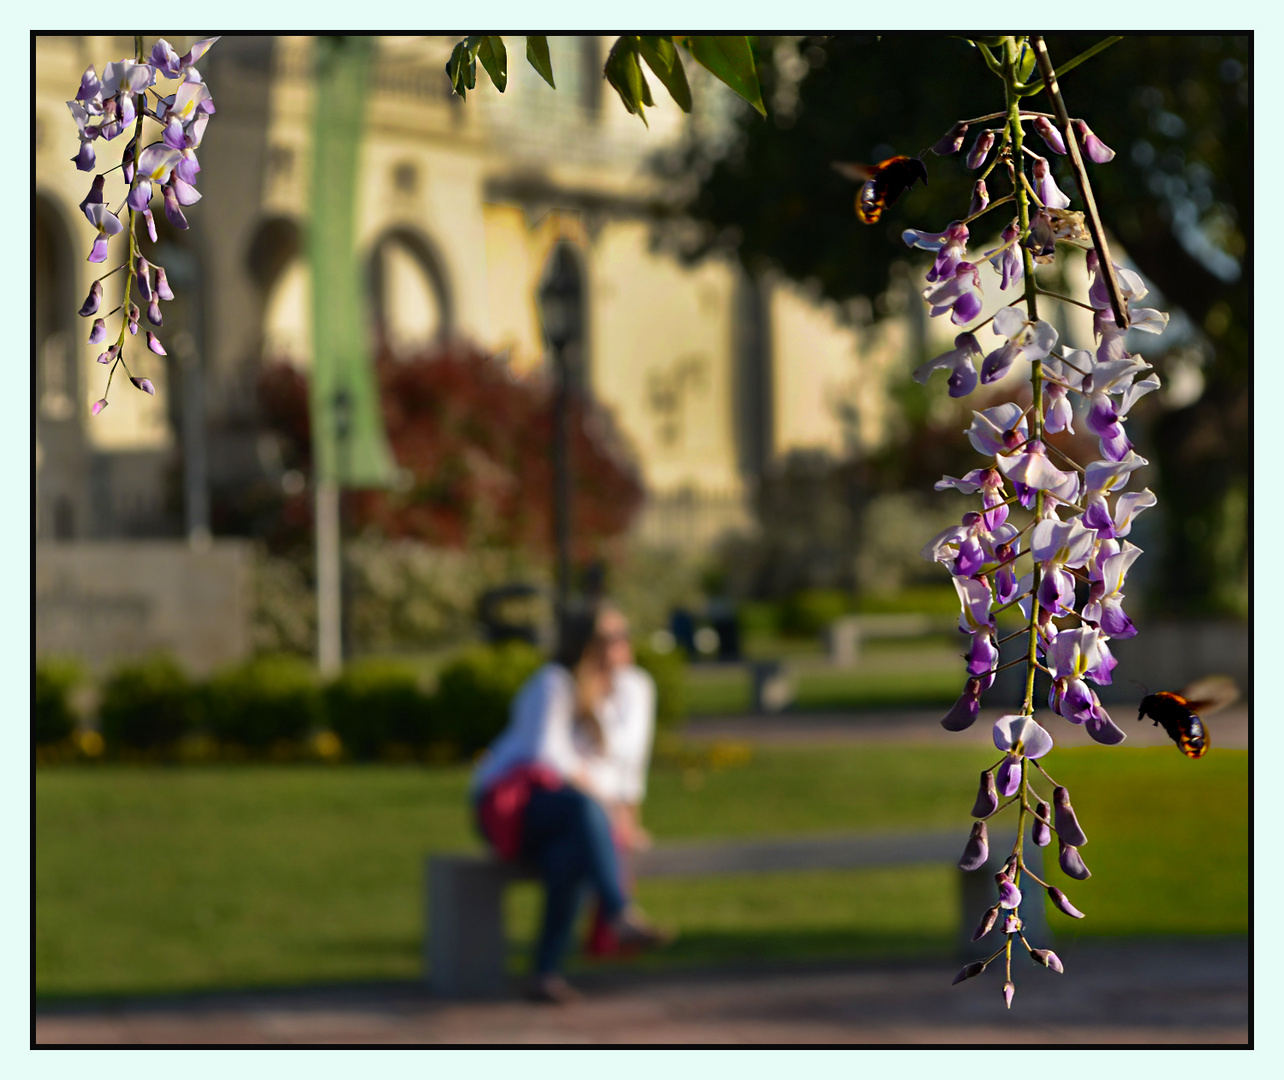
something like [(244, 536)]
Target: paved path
[(1181, 992)]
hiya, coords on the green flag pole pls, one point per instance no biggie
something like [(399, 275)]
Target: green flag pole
[(349, 446)]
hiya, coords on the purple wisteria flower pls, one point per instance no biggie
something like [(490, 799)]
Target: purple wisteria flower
[(961, 363), (998, 429), (1026, 338), (1049, 194), (959, 295), (1021, 737), (1031, 471), (115, 104), (1006, 258), (107, 224), (1049, 534)]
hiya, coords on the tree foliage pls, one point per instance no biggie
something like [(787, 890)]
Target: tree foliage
[(1176, 199)]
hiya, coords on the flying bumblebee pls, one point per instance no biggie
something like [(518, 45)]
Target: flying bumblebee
[(883, 183), (1179, 714)]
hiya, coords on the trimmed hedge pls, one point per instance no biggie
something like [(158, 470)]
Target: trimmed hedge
[(807, 613), (270, 699), (52, 717), (475, 690), (669, 672), (377, 708), (147, 705), (378, 704)]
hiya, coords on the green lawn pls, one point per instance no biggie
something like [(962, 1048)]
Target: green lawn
[(200, 877)]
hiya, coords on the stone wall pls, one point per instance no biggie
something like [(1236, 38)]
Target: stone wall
[(107, 602)]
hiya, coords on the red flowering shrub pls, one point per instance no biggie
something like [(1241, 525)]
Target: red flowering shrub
[(476, 444)]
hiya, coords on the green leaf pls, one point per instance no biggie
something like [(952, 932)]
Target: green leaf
[(663, 59), (625, 74), (731, 60), (537, 54), (1026, 63), (494, 58), (462, 66)]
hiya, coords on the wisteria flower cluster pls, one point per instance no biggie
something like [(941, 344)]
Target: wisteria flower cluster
[(121, 102), (1065, 562)]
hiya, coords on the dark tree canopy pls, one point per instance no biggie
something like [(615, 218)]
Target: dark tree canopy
[(1177, 198)]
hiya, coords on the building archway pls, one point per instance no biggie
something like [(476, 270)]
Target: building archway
[(411, 303), (61, 506)]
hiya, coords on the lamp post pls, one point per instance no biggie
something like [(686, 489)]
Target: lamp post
[(561, 306)]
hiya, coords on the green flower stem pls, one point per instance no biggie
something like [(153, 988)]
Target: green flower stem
[(132, 261)]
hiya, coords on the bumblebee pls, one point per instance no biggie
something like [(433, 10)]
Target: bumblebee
[(1178, 714), (883, 183)]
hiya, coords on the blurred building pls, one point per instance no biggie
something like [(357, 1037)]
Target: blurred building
[(709, 374)]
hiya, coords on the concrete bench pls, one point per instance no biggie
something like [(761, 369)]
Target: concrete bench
[(464, 947), (844, 636)]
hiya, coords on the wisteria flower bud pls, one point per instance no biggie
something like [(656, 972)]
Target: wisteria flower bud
[(1062, 903), (1049, 134), (154, 312), (972, 970), (133, 318), (94, 300), (154, 344), (142, 278), (162, 284), (980, 150), (172, 210), (144, 385), (1008, 991), (98, 332), (1009, 894), (1072, 864), (952, 141), (95, 194), (980, 198), (109, 355), (966, 709), (150, 220), (987, 799), (977, 851), (1042, 237), (1068, 829), (1009, 779), (98, 406), (1094, 147), (1048, 959), (987, 923), (1042, 833), (1011, 923)]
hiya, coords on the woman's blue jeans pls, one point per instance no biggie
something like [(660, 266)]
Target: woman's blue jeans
[(566, 834)]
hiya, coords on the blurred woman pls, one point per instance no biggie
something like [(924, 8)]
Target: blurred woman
[(540, 796)]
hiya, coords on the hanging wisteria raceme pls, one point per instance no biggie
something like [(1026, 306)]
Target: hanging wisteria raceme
[(122, 102), (1065, 562)]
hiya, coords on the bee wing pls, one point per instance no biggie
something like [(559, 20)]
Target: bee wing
[(853, 171), (1210, 693)]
